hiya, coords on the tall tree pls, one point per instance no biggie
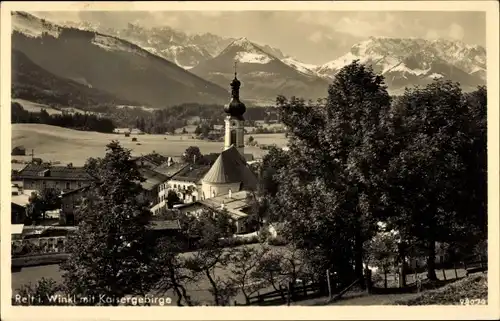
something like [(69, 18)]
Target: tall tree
[(341, 144), (111, 254), (425, 176)]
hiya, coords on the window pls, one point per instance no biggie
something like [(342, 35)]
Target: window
[(233, 137), (79, 184), (194, 198), (67, 185)]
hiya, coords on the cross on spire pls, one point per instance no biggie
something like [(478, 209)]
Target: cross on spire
[(235, 72)]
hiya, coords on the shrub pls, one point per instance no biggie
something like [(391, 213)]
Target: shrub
[(277, 241), (134, 139)]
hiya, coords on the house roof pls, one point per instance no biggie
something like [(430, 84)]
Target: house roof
[(231, 167), (81, 189), (22, 198), (171, 170), (192, 173), (152, 178), (16, 228), (33, 171)]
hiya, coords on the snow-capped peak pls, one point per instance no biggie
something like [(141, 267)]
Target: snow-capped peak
[(245, 51), (243, 44), (300, 66)]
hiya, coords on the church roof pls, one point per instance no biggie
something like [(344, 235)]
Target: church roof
[(231, 167)]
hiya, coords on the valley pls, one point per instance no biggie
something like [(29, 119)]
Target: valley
[(52, 143)]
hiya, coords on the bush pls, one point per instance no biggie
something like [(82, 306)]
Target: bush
[(134, 139), (264, 234), (277, 241), (237, 241), (474, 287)]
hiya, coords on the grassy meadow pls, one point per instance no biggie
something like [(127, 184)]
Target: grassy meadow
[(36, 107), (52, 143)]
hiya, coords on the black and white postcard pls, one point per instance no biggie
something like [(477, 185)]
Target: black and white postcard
[(250, 160)]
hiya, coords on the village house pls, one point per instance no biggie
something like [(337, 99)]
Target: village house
[(63, 178), (186, 182), (235, 204), (19, 201), (152, 187), (70, 201)]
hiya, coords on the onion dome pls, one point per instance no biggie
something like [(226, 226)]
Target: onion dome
[(235, 108)]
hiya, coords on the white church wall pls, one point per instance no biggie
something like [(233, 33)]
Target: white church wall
[(213, 190)]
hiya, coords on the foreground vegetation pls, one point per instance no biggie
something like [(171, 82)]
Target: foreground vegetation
[(472, 290)]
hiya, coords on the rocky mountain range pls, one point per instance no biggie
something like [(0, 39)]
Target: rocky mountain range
[(263, 75), (408, 62), (162, 66)]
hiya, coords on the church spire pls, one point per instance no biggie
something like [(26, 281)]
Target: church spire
[(235, 108)]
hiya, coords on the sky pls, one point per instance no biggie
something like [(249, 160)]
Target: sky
[(314, 36)]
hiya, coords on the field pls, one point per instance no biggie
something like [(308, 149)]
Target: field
[(36, 107), (52, 143)]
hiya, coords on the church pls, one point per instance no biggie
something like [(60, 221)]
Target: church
[(228, 182)]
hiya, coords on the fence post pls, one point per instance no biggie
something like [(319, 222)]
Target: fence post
[(304, 287), (455, 268), (288, 299), (329, 284), (280, 288), (444, 273), (368, 280)]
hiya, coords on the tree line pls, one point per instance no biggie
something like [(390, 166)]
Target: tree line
[(373, 180), (78, 121)]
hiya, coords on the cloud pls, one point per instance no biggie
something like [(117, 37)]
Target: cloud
[(456, 32), (432, 34), (316, 36)]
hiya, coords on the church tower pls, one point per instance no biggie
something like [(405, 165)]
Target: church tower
[(234, 121)]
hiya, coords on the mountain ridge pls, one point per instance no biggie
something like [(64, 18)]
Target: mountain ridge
[(131, 72), (263, 75)]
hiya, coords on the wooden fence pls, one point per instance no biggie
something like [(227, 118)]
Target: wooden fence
[(285, 295)]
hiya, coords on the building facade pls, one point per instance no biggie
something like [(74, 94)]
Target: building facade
[(63, 178)]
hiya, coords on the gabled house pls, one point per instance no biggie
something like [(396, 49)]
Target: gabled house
[(63, 178)]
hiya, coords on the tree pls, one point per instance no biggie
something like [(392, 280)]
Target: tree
[(34, 209), (244, 273), (175, 274), (382, 252), (49, 199), (275, 160), (172, 198), (425, 186), (44, 292), (209, 228), (341, 144), (111, 253), (192, 154)]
